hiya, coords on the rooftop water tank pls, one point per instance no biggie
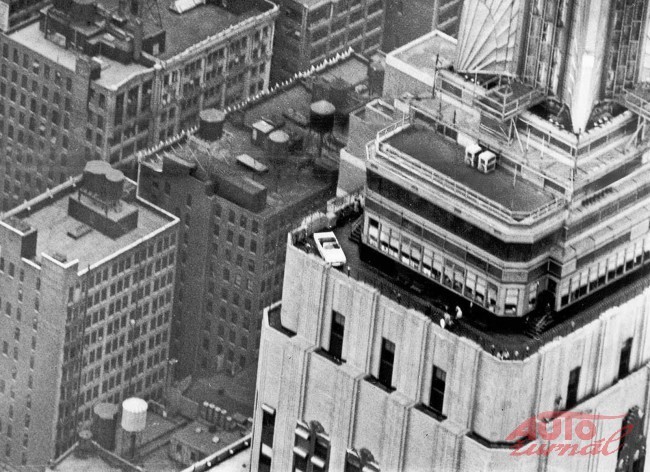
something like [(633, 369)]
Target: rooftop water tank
[(104, 424), (211, 124), (321, 117), (277, 147), (134, 414)]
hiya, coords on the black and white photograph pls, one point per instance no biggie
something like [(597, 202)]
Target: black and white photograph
[(324, 235)]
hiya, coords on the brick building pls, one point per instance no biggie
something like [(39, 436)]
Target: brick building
[(140, 73), (310, 31), (232, 237), (87, 282)]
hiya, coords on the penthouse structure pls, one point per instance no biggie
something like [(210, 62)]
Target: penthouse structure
[(103, 81), (87, 281), (497, 200), (310, 31)]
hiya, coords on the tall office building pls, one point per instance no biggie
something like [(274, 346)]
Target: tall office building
[(87, 275), (237, 199), (103, 81), (309, 32), (494, 199)]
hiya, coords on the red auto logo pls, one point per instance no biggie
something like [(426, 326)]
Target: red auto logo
[(562, 430)]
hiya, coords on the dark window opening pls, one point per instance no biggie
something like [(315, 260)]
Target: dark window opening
[(386, 362)]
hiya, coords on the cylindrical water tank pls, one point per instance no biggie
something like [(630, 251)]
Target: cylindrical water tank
[(321, 118), (104, 424), (211, 123), (114, 185), (134, 414), (277, 146), (93, 175)]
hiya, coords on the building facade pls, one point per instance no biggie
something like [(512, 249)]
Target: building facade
[(87, 284), (354, 377), (505, 235), (71, 94), (309, 32), (411, 19)]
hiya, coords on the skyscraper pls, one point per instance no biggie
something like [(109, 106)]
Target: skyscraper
[(499, 270), (87, 280)]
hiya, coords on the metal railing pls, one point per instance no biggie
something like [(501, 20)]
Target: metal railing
[(415, 167)]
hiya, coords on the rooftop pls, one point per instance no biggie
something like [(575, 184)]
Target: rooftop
[(193, 26), (33, 38), (197, 436), (428, 53), (507, 338), (48, 215), (90, 456), (287, 107), (441, 154), (235, 394)]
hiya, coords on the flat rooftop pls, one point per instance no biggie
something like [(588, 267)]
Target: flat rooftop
[(197, 436), (508, 338), (191, 27), (33, 38), (239, 462), (432, 51), (447, 157), (51, 220)]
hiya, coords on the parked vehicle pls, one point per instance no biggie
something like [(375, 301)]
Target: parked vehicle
[(330, 249)]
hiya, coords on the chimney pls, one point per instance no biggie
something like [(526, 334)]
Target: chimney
[(138, 34)]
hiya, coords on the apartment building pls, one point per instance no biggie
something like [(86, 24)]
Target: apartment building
[(104, 81), (235, 218), (411, 19), (87, 281), (310, 31)]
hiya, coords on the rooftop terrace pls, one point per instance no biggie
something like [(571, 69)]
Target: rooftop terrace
[(50, 218), (443, 155), (428, 53), (506, 338)]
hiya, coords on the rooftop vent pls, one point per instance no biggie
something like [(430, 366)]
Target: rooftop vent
[(59, 257), (181, 6), (251, 163), (79, 231)]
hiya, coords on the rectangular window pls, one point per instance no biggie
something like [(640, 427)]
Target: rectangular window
[(386, 362), (624, 361), (268, 431), (572, 389), (336, 335), (437, 395)]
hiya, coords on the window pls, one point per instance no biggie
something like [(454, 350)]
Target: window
[(572, 388), (268, 431), (437, 395), (386, 362), (336, 335), (624, 361)]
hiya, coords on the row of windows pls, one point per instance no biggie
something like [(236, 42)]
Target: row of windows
[(473, 285), (605, 271)]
